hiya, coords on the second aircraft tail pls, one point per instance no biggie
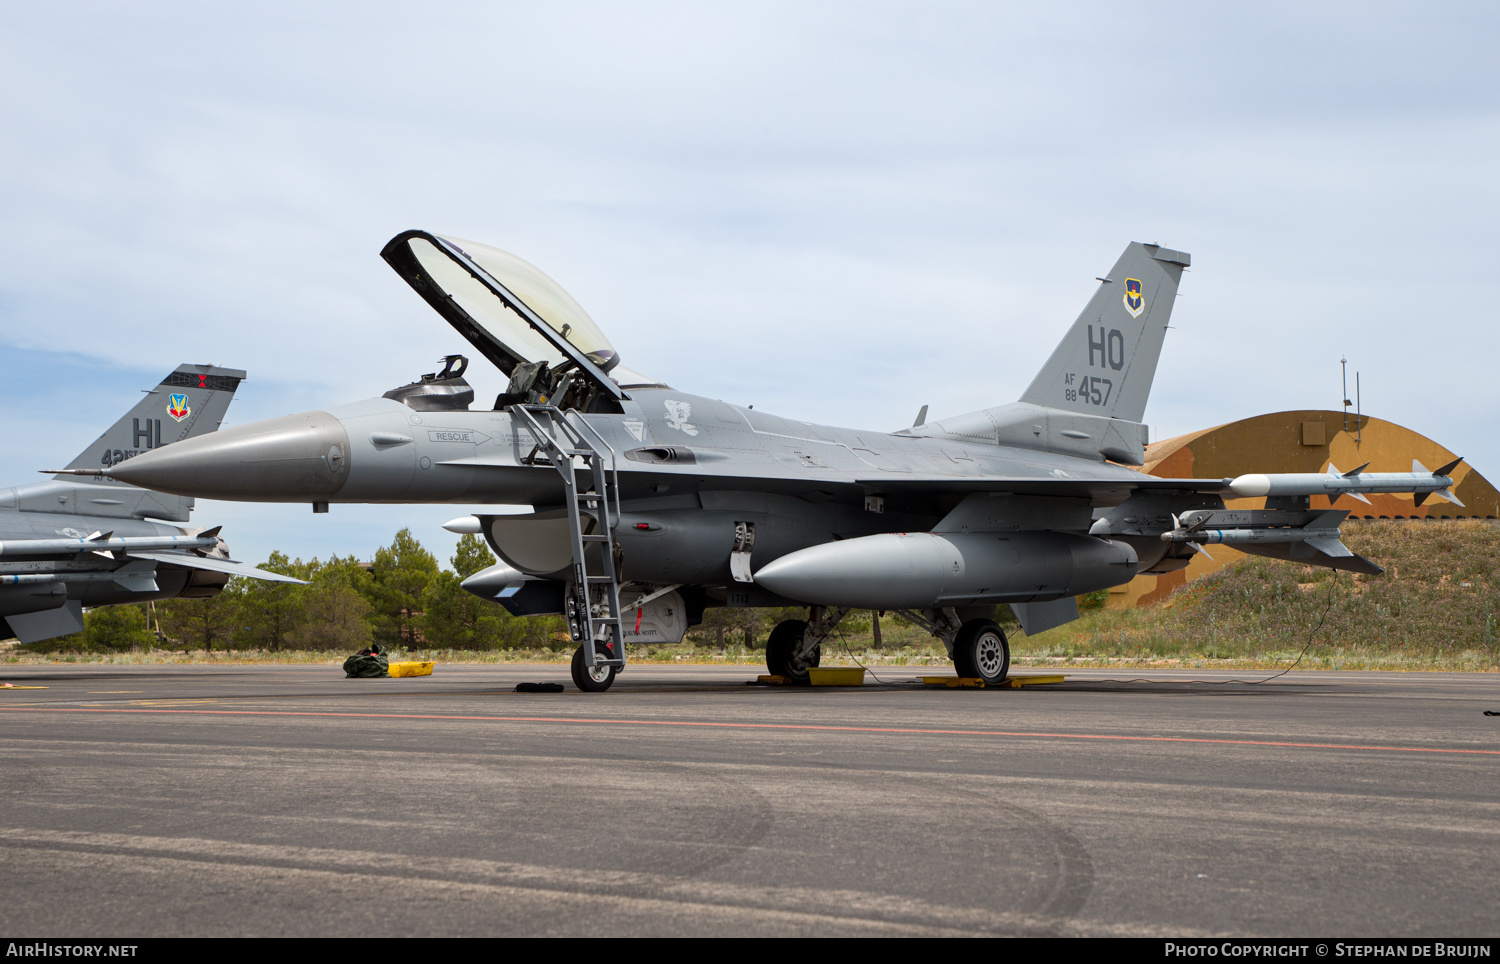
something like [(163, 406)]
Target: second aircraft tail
[(190, 401)]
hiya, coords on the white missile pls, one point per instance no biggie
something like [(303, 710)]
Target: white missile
[(1418, 481), (1248, 536), (106, 544)]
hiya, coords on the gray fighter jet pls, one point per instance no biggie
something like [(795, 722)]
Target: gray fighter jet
[(650, 504), (71, 543)]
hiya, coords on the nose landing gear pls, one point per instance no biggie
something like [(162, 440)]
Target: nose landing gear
[(594, 679)]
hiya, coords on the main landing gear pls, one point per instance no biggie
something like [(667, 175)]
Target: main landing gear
[(976, 645), (795, 646), (981, 651)]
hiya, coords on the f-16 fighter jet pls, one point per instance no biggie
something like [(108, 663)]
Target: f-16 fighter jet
[(71, 542), (651, 504)]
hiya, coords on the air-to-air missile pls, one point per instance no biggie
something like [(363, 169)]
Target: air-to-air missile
[(1418, 481), (650, 504), (106, 544)]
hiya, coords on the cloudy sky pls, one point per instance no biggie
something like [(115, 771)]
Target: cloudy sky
[(836, 211)]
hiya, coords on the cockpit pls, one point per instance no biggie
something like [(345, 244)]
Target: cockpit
[(518, 318)]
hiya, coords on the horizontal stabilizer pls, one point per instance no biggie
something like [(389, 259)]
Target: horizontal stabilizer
[(1330, 547), (47, 624), (188, 561), (1310, 554)]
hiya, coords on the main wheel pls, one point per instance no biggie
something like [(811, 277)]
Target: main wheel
[(592, 680), (981, 651), (781, 648)]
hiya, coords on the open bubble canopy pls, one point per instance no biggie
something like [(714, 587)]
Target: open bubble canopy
[(505, 306)]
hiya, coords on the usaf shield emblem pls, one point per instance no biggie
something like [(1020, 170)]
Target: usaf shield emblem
[(1134, 302), (177, 407)]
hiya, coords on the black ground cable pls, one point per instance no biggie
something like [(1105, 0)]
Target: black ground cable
[(844, 645), (1250, 682)]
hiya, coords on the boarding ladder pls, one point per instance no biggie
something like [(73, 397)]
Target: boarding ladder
[(593, 605)]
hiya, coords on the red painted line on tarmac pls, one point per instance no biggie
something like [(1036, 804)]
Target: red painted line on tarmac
[(762, 726)]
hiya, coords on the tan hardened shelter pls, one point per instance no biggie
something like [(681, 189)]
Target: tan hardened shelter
[(1304, 441)]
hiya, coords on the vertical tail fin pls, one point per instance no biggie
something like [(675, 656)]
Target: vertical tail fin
[(190, 401), (1107, 361)]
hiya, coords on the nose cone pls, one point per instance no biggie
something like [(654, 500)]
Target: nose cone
[(295, 458), (888, 571)]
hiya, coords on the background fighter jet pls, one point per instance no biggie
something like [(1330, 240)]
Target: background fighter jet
[(73, 542), (652, 504)]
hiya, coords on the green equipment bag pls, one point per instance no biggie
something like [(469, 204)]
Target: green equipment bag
[(367, 663)]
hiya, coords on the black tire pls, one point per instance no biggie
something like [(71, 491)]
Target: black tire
[(602, 677), (981, 651), (783, 642)]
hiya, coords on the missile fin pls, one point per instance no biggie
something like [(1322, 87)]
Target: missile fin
[(1444, 470), (1448, 494), (1421, 497), (1352, 474)]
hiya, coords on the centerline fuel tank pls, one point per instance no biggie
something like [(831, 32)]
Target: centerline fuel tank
[(910, 570)]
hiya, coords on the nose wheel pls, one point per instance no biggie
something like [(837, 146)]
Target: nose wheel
[(594, 679), (787, 655), (981, 651)]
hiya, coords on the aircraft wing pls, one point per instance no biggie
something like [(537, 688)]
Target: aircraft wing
[(1099, 492), (1113, 489), (233, 568)]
